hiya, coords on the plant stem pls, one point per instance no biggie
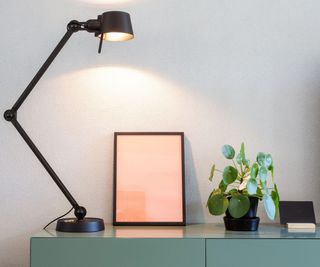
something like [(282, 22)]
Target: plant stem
[(235, 165), (241, 168)]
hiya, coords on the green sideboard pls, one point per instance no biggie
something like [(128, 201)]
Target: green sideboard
[(207, 245)]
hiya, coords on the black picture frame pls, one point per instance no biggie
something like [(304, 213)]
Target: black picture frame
[(183, 197)]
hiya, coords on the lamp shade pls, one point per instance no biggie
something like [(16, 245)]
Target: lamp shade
[(116, 26)]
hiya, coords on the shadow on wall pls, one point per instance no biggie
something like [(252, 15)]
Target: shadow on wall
[(107, 3), (194, 209), (302, 102)]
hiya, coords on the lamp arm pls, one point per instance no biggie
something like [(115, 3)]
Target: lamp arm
[(44, 163), (72, 27), (11, 115)]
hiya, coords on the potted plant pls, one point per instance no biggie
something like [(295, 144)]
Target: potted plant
[(242, 186)]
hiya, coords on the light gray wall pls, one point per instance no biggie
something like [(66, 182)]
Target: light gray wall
[(221, 71)]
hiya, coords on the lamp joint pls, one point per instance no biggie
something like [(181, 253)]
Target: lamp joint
[(80, 212), (10, 115), (91, 25), (75, 26)]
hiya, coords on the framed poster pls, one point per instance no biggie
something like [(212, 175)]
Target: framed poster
[(149, 183)]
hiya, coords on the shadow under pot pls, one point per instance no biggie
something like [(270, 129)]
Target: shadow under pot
[(248, 222)]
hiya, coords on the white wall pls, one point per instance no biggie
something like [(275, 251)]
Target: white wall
[(221, 71)]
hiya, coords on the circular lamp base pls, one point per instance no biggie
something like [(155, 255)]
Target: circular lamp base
[(80, 226)]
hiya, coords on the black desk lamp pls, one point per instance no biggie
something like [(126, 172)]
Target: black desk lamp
[(110, 26)]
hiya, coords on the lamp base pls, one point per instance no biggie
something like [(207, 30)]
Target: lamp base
[(85, 225)]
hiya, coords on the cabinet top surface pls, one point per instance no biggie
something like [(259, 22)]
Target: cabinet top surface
[(265, 231)]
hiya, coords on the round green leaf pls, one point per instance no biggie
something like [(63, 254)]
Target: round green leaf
[(230, 174), (223, 186), (260, 158), (268, 161), (271, 169), (263, 173), (239, 206), (218, 204), (246, 162), (269, 206), (254, 171), (264, 160), (276, 190), (212, 172), (228, 151), (276, 198), (239, 159), (233, 192), (252, 186), (259, 192), (242, 151)]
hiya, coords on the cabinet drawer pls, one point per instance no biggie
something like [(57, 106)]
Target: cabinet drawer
[(104, 252), (262, 252)]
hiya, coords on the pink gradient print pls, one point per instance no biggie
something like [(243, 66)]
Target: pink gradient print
[(149, 178)]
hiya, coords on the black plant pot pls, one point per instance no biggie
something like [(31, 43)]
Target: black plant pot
[(249, 222)]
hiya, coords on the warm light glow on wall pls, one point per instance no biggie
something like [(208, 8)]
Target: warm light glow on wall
[(105, 2), (114, 93), (121, 83), (121, 98)]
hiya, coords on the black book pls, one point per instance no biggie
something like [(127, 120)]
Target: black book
[(296, 212)]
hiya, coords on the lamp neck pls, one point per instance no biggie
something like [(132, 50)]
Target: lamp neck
[(92, 25)]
